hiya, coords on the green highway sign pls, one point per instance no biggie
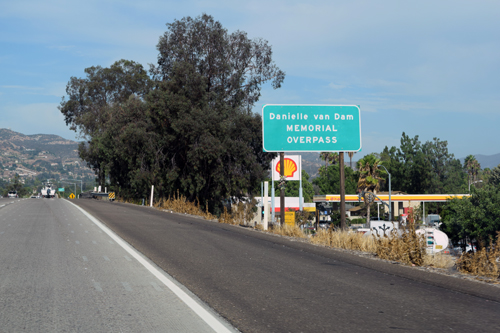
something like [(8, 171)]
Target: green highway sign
[(305, 128), (61, 189)]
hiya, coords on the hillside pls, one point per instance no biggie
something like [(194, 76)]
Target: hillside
[(31, 155)]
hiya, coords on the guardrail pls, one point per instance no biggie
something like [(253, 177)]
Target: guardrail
[(90, 195)]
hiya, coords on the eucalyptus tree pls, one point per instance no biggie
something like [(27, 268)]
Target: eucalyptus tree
[(87, 108), (188, 125), (206, 82)]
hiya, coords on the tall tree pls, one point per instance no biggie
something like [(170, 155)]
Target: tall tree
[(207, 81), (423, 168), (473, 167), (86, 110), (473, 218), (369, 179), (188, 128), (230, 67), (328, 180)]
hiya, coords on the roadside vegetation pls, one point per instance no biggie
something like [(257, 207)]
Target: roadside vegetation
[(406, 247)]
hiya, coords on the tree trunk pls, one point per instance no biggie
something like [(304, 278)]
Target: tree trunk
[(368, 215)]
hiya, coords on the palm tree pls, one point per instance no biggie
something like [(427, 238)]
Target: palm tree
[(329, 158), (472, 166), (369, 179)]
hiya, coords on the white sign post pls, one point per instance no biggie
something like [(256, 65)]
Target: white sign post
[(266, 205), (152, 191)]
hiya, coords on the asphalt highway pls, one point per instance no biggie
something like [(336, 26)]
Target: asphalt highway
[(264, 283), (61, 272)]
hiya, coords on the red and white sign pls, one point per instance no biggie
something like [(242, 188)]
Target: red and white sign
[(293, 167)]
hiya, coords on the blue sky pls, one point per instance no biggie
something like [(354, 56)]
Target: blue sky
[(427, 68)]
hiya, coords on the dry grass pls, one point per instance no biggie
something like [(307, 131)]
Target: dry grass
[(129, 201), (483, 262), (180, 204), (344, 239), (439, 260), (287, 230), (408, 248)]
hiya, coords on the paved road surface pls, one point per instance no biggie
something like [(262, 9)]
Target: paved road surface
[(60, 272), (263, 283)]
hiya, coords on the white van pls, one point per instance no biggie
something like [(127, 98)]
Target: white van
[(12, 194)]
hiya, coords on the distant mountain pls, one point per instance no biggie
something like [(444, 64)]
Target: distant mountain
[(50, 143), (486, 161), (29, 155)]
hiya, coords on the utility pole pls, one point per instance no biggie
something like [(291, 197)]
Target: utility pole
[(342, 192), (282, 189)]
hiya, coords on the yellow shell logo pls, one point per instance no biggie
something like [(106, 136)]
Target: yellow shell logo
[(290, 167)]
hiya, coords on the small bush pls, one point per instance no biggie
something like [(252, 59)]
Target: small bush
[(409, 247), (483, 262)]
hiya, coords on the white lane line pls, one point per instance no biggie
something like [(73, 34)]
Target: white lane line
[(2, 206), (106, 258), (85, 258), (127, 286), (127, 258), (97, 286), (206, 316), (156, 286)]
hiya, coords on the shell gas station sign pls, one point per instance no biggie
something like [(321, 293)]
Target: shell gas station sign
[(293, 167)]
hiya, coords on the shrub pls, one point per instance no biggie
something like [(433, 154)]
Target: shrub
[(482, 262)]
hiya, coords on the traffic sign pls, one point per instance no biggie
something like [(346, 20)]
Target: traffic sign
[(111, 196), (290, 218), (305, 128), (61, 189), (72, 196)]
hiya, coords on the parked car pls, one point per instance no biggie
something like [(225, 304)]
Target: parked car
[(324, 224), (468, 248)]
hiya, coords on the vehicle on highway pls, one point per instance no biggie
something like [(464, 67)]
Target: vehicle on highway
[(48, 191), (33, 197), (12, 194)]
